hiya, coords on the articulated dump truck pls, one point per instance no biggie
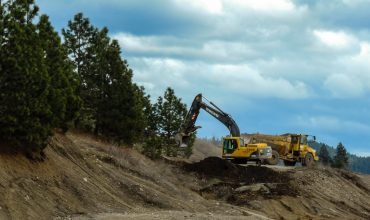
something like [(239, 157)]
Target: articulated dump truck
[(291, 148)]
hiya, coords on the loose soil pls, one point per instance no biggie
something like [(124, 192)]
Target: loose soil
[(84, 178)]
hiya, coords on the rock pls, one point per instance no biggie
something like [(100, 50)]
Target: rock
[(259, 187)]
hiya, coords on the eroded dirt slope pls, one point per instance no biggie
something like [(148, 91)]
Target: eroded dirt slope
[(83, 178)]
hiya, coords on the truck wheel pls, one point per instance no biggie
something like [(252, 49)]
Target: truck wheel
[(308, 160), (239, 161), (289, 163), (274, 158)]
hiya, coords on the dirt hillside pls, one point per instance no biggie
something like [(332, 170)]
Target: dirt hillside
[(83, 178)]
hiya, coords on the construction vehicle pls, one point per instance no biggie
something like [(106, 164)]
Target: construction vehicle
[(234, 148), (291, 148)]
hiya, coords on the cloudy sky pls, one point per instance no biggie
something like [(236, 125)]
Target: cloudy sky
[(277, 66)]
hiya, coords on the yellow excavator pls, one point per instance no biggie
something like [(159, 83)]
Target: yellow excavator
[(234, 148)]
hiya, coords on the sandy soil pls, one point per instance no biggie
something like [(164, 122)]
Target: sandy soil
[(83, 178)]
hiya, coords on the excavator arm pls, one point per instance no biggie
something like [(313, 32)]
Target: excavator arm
[(188, 127)]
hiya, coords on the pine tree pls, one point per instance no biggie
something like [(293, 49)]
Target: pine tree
[(119, 113), (341, 157), (63, 83), (2, 35), (1, 27), (25, 114), (324, 155), (112, 103), (171, 113), (78, 39), (147, 122)]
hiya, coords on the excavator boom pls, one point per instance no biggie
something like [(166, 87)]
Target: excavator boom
[(189, 127)]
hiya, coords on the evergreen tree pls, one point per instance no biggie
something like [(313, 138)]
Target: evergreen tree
[(341, 157), (63, 83), (324, 155), (78, 39), (25, 114), (2, 35), (171, 113), (112, 103), (1, 26), (119, 112), (148, 122)]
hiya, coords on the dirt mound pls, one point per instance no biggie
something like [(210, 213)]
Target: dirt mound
[(204, 148), (224, 169), (285, 193), (239, 183)]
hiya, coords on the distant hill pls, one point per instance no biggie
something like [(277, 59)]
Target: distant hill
[(356, 163)]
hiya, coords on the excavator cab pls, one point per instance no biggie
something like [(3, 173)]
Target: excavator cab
[(229, 146)]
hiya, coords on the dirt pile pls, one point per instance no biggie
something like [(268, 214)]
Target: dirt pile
[(203, 149), (225, 170), (240, 183), (286, 193)]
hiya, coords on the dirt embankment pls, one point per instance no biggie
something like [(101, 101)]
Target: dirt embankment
[(312, 193), (84, 178)]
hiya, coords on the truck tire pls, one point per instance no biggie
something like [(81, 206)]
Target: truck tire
[(308, 160), (274, 159), (239, 161), (289, 163)]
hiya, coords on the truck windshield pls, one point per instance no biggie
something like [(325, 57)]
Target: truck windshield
[(303, 139), (294, 139)]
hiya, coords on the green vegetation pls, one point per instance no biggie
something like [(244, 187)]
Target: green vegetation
[(83, 83), (35, 86), (165, 120), (355, 163), (325, 158), (341, 157), (111, 106)]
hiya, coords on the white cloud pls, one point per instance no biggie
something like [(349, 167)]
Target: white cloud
[(170, 46), (248, 82), (264, 5), (327, 123), (235, 80), (344, 86), (333, 39), (209, 6), (224, 7)]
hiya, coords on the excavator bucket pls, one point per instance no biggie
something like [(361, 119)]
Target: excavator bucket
[(181, 140)]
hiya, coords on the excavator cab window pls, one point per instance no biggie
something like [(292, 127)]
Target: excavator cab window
[(230, 146)]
